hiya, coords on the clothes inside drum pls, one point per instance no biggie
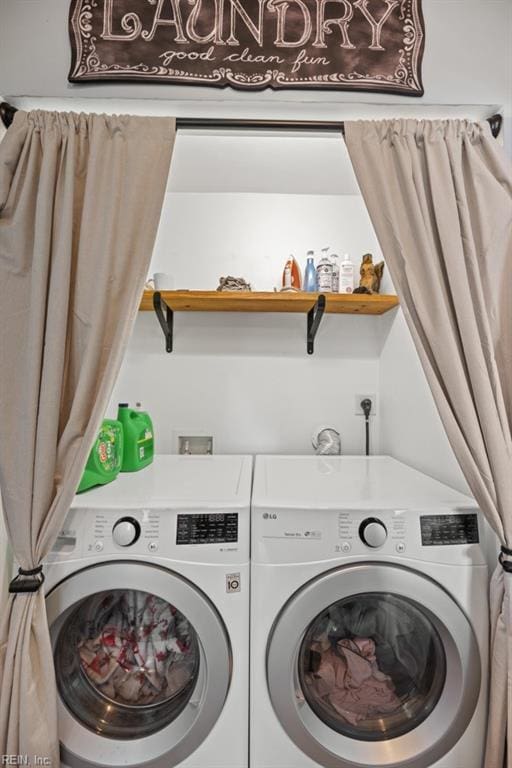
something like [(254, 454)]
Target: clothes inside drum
[(372, 666), (125, 651)]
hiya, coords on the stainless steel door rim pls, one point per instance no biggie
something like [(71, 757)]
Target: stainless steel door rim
[(432, 738), (81, 748)]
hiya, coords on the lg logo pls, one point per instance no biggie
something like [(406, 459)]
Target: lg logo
[(269, 516)]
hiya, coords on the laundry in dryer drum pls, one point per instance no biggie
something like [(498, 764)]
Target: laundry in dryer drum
[(370, 664), (105, 458), (350, 678)]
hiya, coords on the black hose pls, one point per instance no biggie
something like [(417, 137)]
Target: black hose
[(366, 405)]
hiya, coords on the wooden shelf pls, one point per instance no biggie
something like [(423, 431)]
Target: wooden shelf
[(313, 305), (234, 301)]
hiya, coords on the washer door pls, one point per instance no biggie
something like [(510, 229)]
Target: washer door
[(373, 666), (143, 666)]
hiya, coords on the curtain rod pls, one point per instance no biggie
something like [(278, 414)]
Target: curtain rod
[(289, 125), (7, 113)]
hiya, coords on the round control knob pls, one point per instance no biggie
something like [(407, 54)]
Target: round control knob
[(373, 532), (126, 531)]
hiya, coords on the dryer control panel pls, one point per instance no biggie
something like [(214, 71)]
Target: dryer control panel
[(442, 535)]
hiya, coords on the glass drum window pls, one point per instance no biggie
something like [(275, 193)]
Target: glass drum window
[(372, 666), (126, 663)]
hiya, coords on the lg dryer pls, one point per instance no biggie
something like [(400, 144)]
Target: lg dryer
[(148, 604), (369, 618)]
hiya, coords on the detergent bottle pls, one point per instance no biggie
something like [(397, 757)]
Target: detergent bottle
[(106, 456), (139, 444)]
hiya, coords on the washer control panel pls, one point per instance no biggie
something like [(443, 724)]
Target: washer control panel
[(163, 533), (214, 528)]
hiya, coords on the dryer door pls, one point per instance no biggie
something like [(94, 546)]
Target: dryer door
[(374, 666), (143, 666)]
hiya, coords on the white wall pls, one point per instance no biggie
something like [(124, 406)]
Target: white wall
[(244, 378), (205, 236), (247, 381), (270, 161)]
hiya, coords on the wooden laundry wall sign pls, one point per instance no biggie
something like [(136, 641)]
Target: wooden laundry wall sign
[(370, 45)]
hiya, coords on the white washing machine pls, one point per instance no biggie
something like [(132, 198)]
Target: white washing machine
[(147, 592), (369, 617)]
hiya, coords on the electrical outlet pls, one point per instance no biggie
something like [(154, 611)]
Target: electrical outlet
[(359, 410)]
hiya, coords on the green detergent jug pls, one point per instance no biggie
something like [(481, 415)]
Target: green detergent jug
[(105, 459), (139, 444)]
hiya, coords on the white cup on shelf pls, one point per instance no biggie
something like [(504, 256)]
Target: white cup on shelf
[(162, 281)]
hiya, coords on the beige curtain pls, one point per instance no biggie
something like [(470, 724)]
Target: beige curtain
[(4, 551), (80, 201), (440, 197)]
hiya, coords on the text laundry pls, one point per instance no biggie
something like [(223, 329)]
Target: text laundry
[(292, 23)]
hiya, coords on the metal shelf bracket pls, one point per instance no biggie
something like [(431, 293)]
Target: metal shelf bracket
[(315, 315), (166, 321)]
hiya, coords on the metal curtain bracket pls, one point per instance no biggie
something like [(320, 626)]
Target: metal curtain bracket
[(315, 315), (166, 321)]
